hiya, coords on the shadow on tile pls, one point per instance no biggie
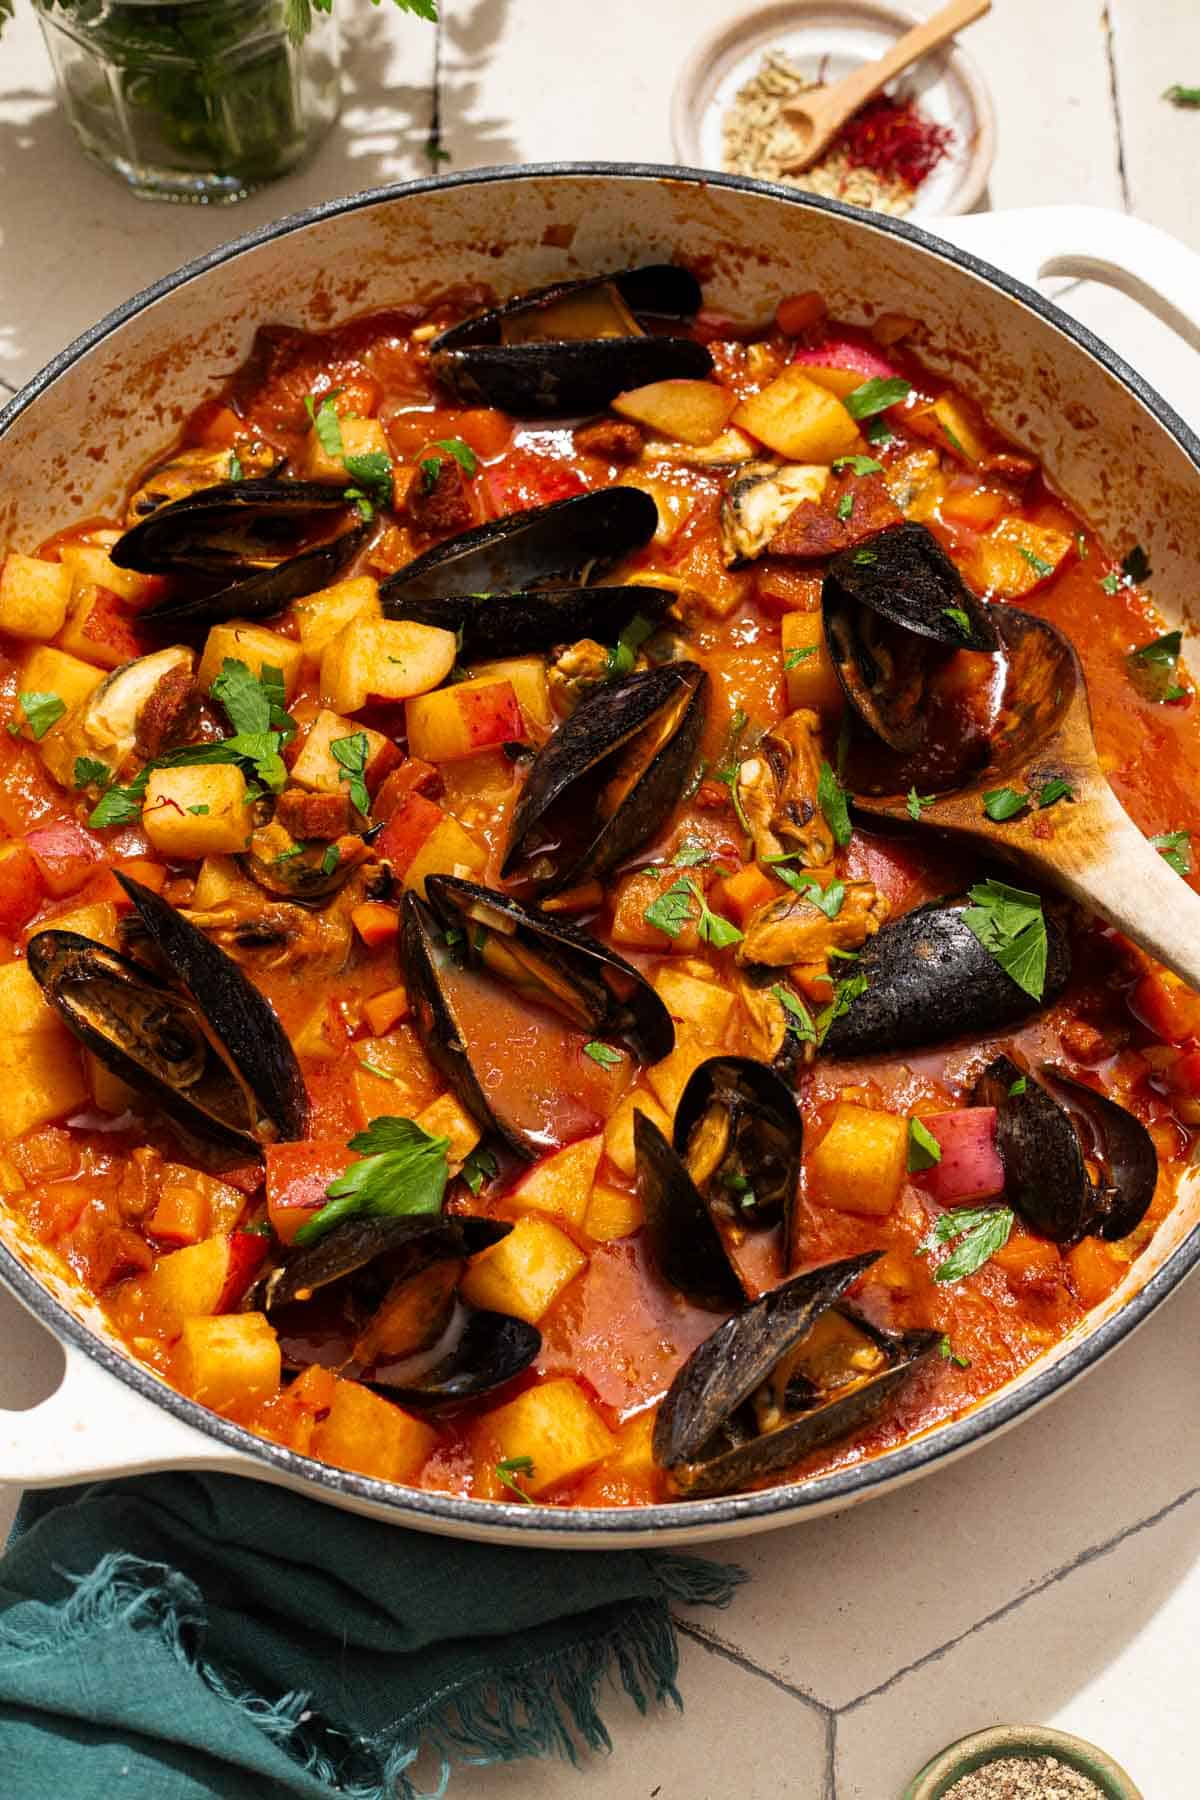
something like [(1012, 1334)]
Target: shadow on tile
[(469, 35)]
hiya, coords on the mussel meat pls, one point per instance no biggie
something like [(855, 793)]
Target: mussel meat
[(570, 348), (759, 497), (608, 778), (208, 1049), (895, 610), (685, 1243), (787, 1375), (469, 954), (192, 470), (478, 1352), (928, 978), (1048, 1128)]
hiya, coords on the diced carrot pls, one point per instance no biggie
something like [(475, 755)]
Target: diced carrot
[(1028, 1261), (375, 923), (182, 1214), (484, 429), (814, 981), (105, 886), (385, 1009), (1095, 1270), (977, 507), (297, 1177), (739, 896), (1167, 1006), (314, 1388), (781, 588), (798, 311)]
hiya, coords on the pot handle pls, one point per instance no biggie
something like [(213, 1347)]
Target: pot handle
[(1094, 244), (94, 1427)]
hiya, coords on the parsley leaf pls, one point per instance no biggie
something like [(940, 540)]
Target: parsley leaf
[(923, 1148), (690, 854), (865, 557), (800, 1022), (199, 811), (401, 1171), (623, 654), (604, 1054), (1152, 667), (826, 899), (1182, 96), (916, 802), (1176, 848), (1038, 564), (795, 657), (91, 773), (831, 798), (1054, 789), (119, 806), (1004, 803), (845, 506), (462, 453), (845, 992), (330, 860), (236, 472), (672, 910), (41, 712), (372, 470), (861, 465), (508, 1470), (958, 619), (326, 424), (1018, 1086), (878, 431), (876, 395), (431, 468), (1010, 925), (351, 754), (980, 1231), (947, 1352), (478, 1166)]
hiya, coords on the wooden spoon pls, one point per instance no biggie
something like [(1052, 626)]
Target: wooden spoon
[(1088, 845), (823, 111)]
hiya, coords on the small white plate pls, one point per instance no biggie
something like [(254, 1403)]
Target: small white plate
[(837, 40)]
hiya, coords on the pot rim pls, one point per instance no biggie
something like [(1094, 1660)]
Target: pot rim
[(689, 1519)]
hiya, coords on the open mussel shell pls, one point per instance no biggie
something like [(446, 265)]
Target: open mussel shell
[(685, 1244), (894, 609), (151, 1036), (739, 1132), (1047, 1132), (518, 624), (267, 591), (236, 1013), (929, 979), (655, 290), (380, 1245), (545, 958), (608, 777), (236, 525), (541, 547), (478, 1353), (746, 1404)]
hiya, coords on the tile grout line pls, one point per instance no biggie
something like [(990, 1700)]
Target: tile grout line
[(1108, 26), (1093, 1553), (829, 1782), (719, 1647)]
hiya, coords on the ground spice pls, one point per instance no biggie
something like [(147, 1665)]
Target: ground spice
[(878, 160), (1025, 1778)]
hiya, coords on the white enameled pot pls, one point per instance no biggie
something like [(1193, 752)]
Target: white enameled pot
[(1111, 445)]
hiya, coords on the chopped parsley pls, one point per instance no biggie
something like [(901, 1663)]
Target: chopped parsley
[(690, 854), (845, 993), (799, 1020), (401, 1172), (372, 471), (199, 811), (1018, 1086), (508, 1470), (1038, 564), (859, 465), (1176, 849), (1054, 790), (431, 468), (729, 768), (878, 431), (330, 860), (479, 1166), (923, 1148), (845, 506), (864, 557), (41, 712), (236, 472), (351, 754), (1004, 803), (91, 773), (1182, 96), (672, 911), (979, 1230), (462, 453), (826, 899), (876, 395), (958, 618), (1152, 668), (947, 1352), (326, 423), (916, 802), (794, 658), (604, 1054), (375, 1069), (1135, 568), (1010, 925), (623, 654), (831, 798)]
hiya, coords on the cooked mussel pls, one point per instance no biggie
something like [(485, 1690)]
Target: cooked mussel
[(478, 1352), (192, 470), (570, 348), (1048, 1128), (787, 1375), (220, 1066), (608, 777), (493, 625), (895, 610), (456, 957), (739, 1132), (382, 1247), (543, 547), (928, 979), (685, 1243)]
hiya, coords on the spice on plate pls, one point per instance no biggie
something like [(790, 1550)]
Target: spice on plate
[(1025, 1778), (878, 160)]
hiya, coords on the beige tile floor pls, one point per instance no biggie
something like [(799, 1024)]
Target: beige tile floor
[(1053, 1575)]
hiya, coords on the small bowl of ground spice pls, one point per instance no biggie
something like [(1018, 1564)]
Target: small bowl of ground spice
[(925, 145), (1022, 1762)]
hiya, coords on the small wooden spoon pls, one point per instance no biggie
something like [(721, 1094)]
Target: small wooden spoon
[(825, 110), (1088, 845)]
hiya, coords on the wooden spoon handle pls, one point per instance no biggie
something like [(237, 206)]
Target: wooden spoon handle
[(859, 87)]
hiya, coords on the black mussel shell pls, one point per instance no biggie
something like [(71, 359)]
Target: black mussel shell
[(267, 591), (929, 979), (654, 291), (147, 1033), (564, 378), (357, 1244), (488, 1349), (739, 1131), (609, 776), (565, 968), (517, 624), (234, 526), (682, 1235), (1041, 1147), (236, 1012), (543, 546)]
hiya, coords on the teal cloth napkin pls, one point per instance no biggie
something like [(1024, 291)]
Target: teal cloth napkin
[(178, 1636)]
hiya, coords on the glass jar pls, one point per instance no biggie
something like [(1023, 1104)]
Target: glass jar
[(196, 100)]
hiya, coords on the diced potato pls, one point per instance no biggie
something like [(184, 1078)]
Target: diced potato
[(360, 437), (33, 597), (385, 1009), (860, 1163), (446, 850), (694, 412), (316, 767), (23, 1010), (669, 1077), (525, 1272), (98, 628), (446, 1117), (527, 675), (975, 506), (949, 422), (562, 1183), (42, 1079), (1016, 556), (618, 1133), (799, 419), (189, 813), (322, 615), (612, 1213), (460, 721), (557, 1426), (217, 882), (109, 1092), (189, 1283), (812, 679), (255, 646), (391, 1075), (315, 1037), (368, 1434), (47, 670), (633, 1452), (97, 921), (90, 565), (11, 1179), (229, 1361), (705, 1005), (838, 381), (389, 659)]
